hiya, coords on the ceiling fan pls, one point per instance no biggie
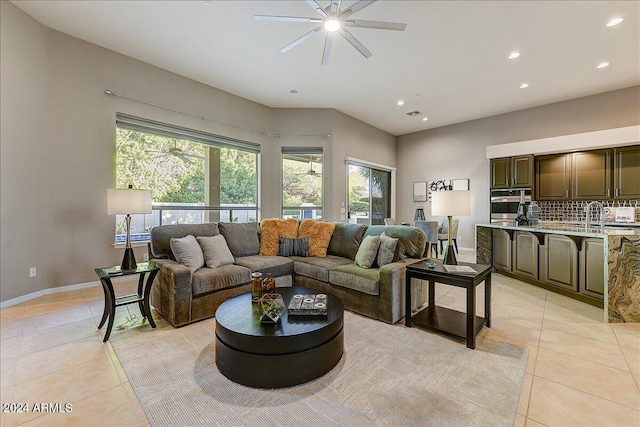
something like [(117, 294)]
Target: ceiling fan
[(179, 153), (334, 20), (311, 171)]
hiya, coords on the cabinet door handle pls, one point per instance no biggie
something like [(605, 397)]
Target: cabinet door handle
[(566, 194), (607, 192), (616, 193)]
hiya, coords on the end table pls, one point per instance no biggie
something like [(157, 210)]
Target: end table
[(464, 325), (142, 297)]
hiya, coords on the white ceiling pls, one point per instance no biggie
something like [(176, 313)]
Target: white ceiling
[(453, 54)]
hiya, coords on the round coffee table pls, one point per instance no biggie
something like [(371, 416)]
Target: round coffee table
[(295, 350)]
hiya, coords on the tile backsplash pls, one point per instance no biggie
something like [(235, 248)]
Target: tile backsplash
[(575, 210)]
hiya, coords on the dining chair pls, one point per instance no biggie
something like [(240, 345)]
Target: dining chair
[(443, 233), (430, 228)]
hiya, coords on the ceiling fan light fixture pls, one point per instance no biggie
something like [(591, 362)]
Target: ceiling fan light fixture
[(332, 24), (614, 22)]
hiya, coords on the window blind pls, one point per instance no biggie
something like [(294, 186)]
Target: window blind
[(127, 121)]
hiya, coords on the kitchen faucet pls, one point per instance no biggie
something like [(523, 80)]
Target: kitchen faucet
[(588, 221)]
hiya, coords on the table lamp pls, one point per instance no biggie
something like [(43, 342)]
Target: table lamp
[(450, 204), (126, 202)]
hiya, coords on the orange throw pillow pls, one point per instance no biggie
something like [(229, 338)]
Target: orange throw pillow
[(272, 229), (319, 234)]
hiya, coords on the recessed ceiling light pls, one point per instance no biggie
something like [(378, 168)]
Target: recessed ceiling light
[(524, 85), (399, 103), (207, 2), (603, 65), (293, 91), (424, 119), (332, 24), (514, 55), (614, 22)]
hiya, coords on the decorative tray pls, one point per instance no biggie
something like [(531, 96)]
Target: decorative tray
[(308, 305)]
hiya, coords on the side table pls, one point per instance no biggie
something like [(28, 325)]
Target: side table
[(443, 319), (142, 297)]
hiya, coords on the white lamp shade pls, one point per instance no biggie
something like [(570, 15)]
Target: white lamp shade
[(451, 203), (128, 201)]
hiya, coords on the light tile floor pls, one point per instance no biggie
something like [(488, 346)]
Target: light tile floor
[(580, 371)]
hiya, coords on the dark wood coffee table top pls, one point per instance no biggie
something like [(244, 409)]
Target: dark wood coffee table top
[(238, 325)]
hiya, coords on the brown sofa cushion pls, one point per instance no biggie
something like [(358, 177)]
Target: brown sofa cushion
[(242, 238), (317, 268), (275, 265), (346, 239), (207, 280), (366, 280)]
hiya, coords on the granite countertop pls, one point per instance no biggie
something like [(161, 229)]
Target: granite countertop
[(575, 229)]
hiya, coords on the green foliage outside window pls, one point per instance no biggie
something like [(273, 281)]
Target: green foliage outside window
[(174, 169)]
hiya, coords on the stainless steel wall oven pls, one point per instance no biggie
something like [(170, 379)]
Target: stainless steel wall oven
[(504, 203)]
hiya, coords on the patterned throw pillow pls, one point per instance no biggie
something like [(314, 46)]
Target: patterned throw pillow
[(272, 229), (387, 250), (215, 251), (367, 251), (319, 234), (187, 252), (294, 247)]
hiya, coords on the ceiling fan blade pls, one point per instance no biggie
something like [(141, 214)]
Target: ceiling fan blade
[(335, 6), (285, 18), (355, 43), (327, 48), (356, 7), (380, 25), (317, 7), (300, 40)]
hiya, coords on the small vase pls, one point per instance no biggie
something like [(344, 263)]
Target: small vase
[(256, 287), (268, 285)]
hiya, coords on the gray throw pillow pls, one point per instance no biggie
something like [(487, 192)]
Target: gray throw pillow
[(215, 250), (367, 251), (387, 250), (293, 247), (187, 252)]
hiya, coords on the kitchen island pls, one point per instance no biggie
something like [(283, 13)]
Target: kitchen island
[(594, 265)]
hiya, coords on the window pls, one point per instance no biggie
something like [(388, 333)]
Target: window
[(194, 177), (369, 195), (302, 182)]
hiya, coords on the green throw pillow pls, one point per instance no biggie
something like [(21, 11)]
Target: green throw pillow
[(387, 250), (367, 251)]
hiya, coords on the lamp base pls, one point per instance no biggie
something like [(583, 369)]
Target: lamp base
[(450, 256), (129, 260)]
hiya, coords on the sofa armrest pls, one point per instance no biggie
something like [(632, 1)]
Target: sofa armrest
[(172, 292), (393, 286)]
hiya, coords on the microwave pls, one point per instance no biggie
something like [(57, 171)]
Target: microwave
[(504, 203)]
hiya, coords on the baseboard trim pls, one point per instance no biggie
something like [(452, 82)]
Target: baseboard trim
[(48, 291)]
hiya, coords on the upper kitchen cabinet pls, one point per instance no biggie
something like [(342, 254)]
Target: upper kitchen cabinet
[(553, 177), (512, 172), (591, 175), (626, 172)]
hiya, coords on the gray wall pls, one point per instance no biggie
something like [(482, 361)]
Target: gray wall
[(459, 151), (57, 151)]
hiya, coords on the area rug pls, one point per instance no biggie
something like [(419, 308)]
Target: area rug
[(389, 375)]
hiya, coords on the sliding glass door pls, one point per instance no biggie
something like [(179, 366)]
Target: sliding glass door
[(369, 194)]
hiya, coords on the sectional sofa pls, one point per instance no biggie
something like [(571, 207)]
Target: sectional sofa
[(183, 296)]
